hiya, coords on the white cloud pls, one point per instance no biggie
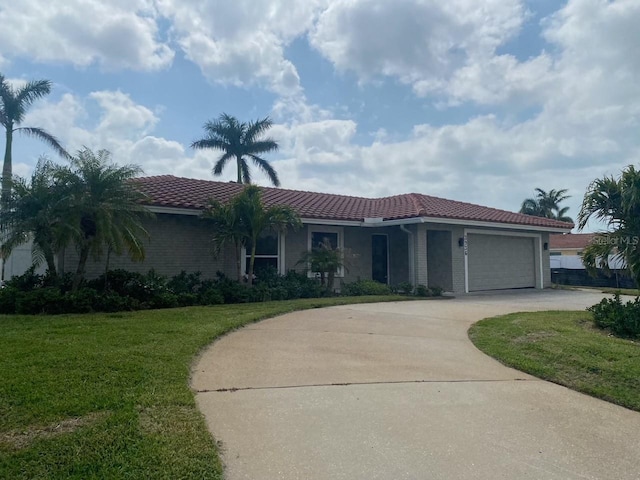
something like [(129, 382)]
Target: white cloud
[(242, 42), (114, 34), (422, 43)]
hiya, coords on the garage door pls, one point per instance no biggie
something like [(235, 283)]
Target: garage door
[(498, 262)]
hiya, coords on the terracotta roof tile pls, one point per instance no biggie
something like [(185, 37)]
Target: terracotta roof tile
[(571, 240), (179, 192)]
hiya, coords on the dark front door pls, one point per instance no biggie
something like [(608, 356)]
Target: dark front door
[(380, 258)]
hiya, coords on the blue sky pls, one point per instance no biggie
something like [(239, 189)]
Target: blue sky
[(479, 101)]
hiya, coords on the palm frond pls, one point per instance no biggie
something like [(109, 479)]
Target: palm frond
[(257, 128), (32, 91), (267, 169), (221, 163), (46, 137)]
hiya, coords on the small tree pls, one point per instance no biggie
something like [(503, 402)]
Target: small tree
[(617, 203), (104, 206), (326, 261), (244, 219), (227, 229), (37, 211)]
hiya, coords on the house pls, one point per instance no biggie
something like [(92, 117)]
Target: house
[(570, 243), (567, 267), (415, 238)]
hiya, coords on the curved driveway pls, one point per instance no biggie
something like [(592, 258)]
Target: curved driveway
[(397, 391)]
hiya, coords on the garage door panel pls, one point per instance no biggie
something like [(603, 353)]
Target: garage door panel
[(499, 262)]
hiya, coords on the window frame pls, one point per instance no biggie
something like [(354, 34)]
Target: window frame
[(245, 255)]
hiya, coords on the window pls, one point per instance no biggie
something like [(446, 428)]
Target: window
[(555, 254), (267, 253), (324, 238), (326, 235)]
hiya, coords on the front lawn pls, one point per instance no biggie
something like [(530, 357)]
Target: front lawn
[(564, 348), (107, 395)]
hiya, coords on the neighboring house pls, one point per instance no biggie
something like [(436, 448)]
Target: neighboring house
[(457, 246), (570, 243), (567, 267)]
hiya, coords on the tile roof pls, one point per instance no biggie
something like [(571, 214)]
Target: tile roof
[(570, 240), (188, 193)]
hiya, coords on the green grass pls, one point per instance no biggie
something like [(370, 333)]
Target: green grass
[(564, 348), (107, 395)]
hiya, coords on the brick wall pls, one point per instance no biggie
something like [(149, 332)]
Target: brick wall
[(176, 243)]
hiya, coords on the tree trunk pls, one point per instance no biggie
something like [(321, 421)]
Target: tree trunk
[(239, 162), (49, 258), (7, 169), (252, 260), (84, 255), (239, 261)]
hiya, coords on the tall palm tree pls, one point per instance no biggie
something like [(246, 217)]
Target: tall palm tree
[(547, 205), (239, 141), (105, 207), (14, 103), (616, 202), (37, 212)]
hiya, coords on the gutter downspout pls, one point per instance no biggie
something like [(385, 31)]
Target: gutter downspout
[(412, 269)]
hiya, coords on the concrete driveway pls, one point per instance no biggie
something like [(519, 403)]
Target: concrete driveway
[(397, 391)]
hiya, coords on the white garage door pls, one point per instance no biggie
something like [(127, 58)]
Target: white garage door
[(498, 262)]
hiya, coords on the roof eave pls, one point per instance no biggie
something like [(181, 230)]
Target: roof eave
[(385, 223)]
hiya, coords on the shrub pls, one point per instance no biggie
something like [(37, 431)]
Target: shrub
[(623, 320), (232, 291), (364, 287), (422, 291), (404, 288), (85, 300), (8, 297), (40, 300), (211, 295), (185, 282), (436, 291)]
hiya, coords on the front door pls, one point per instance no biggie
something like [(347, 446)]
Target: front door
[(380, 258)]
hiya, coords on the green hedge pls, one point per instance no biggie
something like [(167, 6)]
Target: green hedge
[(622, 319)]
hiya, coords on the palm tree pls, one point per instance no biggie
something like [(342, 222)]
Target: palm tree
[(616, 202), (37, 212), (243, 219), (256, 219), (547, 205), (227, 229), (14, 103), (325, 260), (104, 206), (239, 140)]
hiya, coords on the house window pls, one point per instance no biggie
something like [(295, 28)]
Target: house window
[(267, 253), (325, 235), (555, 254), (325, 239)]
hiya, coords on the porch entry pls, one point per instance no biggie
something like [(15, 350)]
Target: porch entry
[(380, 258)]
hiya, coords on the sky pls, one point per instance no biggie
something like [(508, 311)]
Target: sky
[(473, 100)]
